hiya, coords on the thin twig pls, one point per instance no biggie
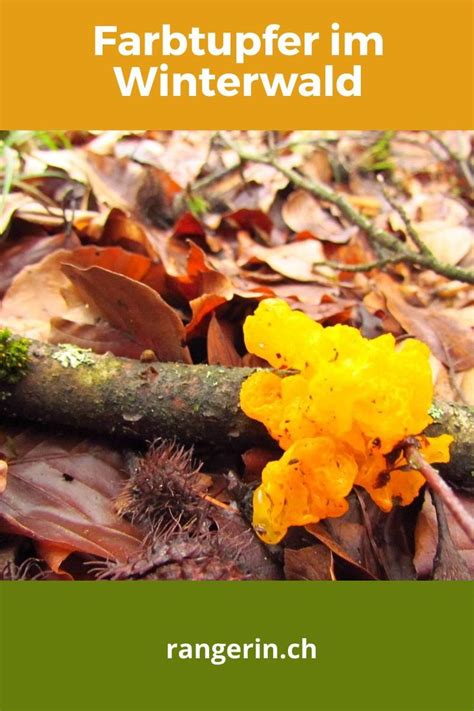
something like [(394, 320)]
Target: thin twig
[(461, 164), (367, 267), (377, 236), (400, 210), (212, 178), (416, 460)]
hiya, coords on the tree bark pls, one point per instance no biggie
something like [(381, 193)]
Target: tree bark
[(192, 403)]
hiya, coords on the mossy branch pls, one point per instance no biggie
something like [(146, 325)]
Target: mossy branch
[(67, 386)]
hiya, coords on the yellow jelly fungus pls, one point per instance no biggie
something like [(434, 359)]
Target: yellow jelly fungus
[(339, 417)]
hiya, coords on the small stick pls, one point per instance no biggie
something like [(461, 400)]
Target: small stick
[(416, 460)]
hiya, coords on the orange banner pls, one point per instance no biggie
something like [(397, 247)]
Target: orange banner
[(247, 64)]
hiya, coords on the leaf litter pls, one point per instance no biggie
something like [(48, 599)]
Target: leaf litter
[(160, 241)]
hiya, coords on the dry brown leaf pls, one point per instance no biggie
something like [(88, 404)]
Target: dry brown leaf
[(294, 260), (40, 292), (22, 252), (310, 563), (450, 343), (449, 244), (101, 337), (134, 308), (220, 346), (61, 491), (303, 212)]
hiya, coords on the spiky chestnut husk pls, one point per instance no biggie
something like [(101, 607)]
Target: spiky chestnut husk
[(30, 569), (183, 557), (164, 495), (164, 485)]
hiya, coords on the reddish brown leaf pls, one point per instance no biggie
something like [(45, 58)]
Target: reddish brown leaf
[(100, 337), (114, 182), (27, 251), (54, 556), (294, 260), (134, 308), (43, 292), (310, 563), (60, 491), (188, 226), (3, 475), (220, 346), (255, 459), (39, 293), (303, 212), (452, 344), (201, 278), (121, 231), (255, 222), (349, 539)]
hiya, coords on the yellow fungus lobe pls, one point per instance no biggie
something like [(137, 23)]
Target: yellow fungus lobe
[(339, 418)]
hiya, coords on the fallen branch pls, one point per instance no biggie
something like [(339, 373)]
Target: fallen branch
[(68, 386), (364, 267), (380, 239)]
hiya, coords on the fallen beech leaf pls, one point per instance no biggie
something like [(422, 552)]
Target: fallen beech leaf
[(329, 311), (347, 544), (60, 491), (100, 337), (12, 203), (54, 556), (134, 308), (310, 563), (391, 536), (305, 293), (349, 539), (121, 231), (452, 344), (40, 292), (220, 347), (201, 307), (367, 204), (255, 222), (318, 167), (465, 383), (116, 259), (424, 207), (183, 155), (449, 244), (204, 287), (255, 459), (200, 278), (30, 250), (189, 226), (3, 475), (115, 182), (144, 191), (294, 260), (303, 212)]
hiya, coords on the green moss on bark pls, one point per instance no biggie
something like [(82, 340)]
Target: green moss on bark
[(13, 356)]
